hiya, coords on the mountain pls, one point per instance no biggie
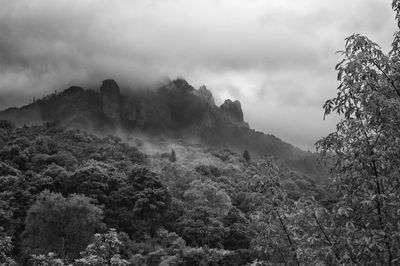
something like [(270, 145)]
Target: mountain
[(175, 110)]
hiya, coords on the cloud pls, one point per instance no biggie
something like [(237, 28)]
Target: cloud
[(276, 57)]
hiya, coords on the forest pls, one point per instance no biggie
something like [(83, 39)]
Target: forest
[(71, 197), (68, 196)]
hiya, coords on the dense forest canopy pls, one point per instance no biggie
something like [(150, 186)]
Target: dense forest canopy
[(64, 191), (68, 196)]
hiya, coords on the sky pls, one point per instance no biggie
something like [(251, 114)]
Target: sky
[(276, 57)]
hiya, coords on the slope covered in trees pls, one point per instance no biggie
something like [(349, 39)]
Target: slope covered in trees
[(64, 191)]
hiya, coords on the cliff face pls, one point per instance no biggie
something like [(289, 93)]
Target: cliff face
[(233, 112), (206, 95), (175, 109), (110, 97), (232, 109)]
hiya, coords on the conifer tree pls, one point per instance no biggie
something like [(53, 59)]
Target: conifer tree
[(246, 155), (172, 157)]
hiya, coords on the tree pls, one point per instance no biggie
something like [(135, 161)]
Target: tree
[(61, 225), (4, 124), (139, 204), (201, 226), (5, 250), (238, 235), (94, 179), (104, 250), (274, 240), (246, 156), (50, 259), (209, 195), (364, 151), (16, 195), (172, 157)]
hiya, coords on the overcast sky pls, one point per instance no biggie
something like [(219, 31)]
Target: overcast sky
[(276, 56)]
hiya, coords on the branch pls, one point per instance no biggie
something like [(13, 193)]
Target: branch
[(380, 191), (326, 237), (285, 230), (380, 215), (288, 237), (387, 76)]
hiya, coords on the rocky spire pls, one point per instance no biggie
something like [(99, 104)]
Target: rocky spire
[(206, 95), (110, 97), (232, 109)]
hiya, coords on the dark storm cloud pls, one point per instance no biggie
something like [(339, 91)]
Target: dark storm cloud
[(276, 57)]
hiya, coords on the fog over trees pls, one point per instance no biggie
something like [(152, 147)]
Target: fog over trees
[(151, 196)]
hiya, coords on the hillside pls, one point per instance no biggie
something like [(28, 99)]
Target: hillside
[(175, 110), (58, 186)]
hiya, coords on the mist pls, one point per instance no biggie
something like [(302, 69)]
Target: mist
[(276, 57)]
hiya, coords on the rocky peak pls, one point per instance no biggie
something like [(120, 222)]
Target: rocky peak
[(205, 95), (73, 93), (110, 97), (232, 109), (74, 90), (180, 83)]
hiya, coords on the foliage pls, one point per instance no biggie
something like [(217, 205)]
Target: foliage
[(104, 250), (209, 195), (274, 241), (364, 152), (5, 251), (201, 226), (246, 155), (50, 259), (204, 205), (93, 179), (139, 203), (172, 157), (208, 170), (238, 233), (223, 209), (61, 225)]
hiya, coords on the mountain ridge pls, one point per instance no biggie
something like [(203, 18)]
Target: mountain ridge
[(175, 109)]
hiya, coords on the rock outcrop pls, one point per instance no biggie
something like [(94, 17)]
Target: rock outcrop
[(175, 110), (110, 96), (232, 109), (73, 92), (206, 95)]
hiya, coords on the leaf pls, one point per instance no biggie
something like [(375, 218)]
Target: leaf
[(343, 211)]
